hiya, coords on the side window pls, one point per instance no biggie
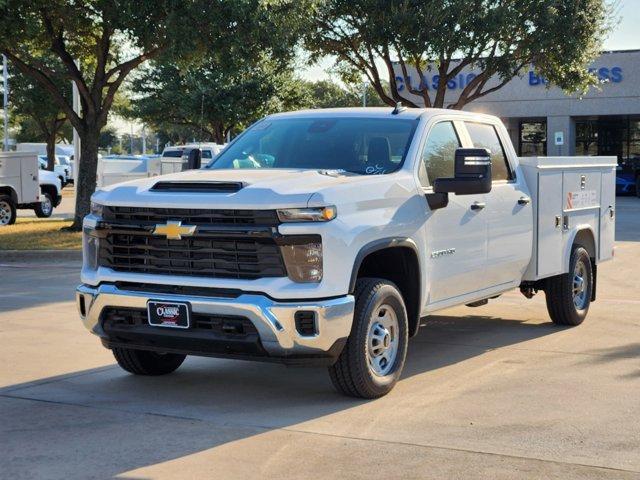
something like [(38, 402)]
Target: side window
[(439, 153), (484, 135)]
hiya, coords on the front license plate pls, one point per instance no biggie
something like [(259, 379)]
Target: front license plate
[(168, 314)]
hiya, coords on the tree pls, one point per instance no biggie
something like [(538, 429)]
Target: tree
[(498, 38), (207, 101), (39, 117), (100, 42)]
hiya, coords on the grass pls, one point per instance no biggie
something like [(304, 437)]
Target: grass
[(36, 234)]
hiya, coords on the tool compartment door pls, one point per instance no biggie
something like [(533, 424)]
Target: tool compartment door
[(549, 226), (607, 215)]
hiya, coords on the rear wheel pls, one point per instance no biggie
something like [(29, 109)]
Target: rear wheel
[(44, 209), (142, 362), (7, 211), (569, 295), (373, 358)]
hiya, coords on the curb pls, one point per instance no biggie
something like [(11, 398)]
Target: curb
[(50, 256)]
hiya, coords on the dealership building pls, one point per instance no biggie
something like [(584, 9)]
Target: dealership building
[(546, 121)]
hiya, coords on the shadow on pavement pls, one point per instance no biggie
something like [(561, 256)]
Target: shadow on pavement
[(140, 421)]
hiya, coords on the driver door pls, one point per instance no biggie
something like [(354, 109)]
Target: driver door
[(457, 234)]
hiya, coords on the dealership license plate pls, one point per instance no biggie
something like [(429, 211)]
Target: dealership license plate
[(168, 314)]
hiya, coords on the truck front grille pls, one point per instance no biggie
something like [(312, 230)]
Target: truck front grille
[(191, 216), (237, 244), (193, 256)]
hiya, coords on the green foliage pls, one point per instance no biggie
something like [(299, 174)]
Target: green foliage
[(100, 42), (37, 117), (497, 38), (207, 101)]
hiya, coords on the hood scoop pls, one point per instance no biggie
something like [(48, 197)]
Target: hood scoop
[(198, 187)]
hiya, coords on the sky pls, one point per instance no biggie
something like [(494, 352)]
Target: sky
[(624, 37)]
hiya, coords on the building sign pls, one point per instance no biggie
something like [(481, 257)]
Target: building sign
[(459, 82)]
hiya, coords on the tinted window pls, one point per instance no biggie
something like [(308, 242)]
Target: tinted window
[(439, 153), (172, 153), (366, 146), (485, 136), (206, 154)]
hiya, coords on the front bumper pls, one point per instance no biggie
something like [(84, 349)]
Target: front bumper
[(273, 320)]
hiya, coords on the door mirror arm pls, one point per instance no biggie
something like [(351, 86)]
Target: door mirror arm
[(437, 200)]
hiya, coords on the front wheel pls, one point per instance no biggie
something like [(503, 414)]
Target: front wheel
[(142, 362), (569, 295), (374, 355), (44, 209)]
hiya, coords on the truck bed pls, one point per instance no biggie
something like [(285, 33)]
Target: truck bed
[(570, 195)]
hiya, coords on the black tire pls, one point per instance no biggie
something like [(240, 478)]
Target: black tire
[(352, 374), (562, 305), (7, 211), (142, 362), (44, 210)]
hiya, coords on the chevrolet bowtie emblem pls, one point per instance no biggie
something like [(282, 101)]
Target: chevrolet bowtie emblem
[(174, 230)]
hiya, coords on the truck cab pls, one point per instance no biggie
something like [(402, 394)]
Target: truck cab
[(324, 236)]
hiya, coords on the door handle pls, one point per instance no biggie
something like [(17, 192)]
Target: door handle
[(478, 205), (524, 201)]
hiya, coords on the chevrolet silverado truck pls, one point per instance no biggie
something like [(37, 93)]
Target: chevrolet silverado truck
[(323, 237)]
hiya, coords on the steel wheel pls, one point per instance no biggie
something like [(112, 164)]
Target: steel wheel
[(382, 341), (46, 206), (579, 285), (6, 213)]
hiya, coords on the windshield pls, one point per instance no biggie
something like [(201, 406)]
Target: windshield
[(366, 146)]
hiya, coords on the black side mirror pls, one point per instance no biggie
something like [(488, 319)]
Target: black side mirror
[(472, 173), (194, 160)]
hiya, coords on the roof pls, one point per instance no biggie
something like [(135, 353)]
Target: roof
[(370, 112)]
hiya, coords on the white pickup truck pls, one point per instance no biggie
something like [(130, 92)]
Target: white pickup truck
[(323, 237), (24, 186)]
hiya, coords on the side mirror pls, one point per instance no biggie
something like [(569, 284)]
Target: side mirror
[(472, 173), (194, 160)]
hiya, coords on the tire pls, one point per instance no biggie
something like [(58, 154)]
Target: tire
[(7, 211), (568, 298), (372, 360), (44, 209), (142, 362)]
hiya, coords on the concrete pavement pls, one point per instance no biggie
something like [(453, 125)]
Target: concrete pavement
[(491, 392)]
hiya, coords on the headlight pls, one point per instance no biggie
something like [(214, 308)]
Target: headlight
[(96, 209), (303, 261), (314, 214)]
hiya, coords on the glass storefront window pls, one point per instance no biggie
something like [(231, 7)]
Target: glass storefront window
[(609, 135), (533, 138)]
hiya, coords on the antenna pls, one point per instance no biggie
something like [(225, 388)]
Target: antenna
[(398, 108)]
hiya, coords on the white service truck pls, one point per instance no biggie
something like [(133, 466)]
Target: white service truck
[(324, 236), (23, 185)]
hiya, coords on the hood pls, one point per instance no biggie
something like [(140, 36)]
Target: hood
[(260, 189), (45, 177)]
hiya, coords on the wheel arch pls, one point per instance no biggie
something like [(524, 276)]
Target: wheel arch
[(7, 190), (395, 259)]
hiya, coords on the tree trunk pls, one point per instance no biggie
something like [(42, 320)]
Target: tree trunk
[(51, 152), (86, 181)]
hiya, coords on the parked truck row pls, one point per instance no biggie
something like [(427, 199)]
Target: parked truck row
[(323, 237)]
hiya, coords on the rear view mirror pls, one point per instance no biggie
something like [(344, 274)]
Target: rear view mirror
[(472, 173), (194, 160)]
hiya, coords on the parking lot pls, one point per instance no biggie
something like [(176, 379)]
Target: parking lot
[(491, 392)]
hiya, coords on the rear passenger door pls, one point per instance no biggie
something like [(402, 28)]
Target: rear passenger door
[(508, 208), (456, 234)]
